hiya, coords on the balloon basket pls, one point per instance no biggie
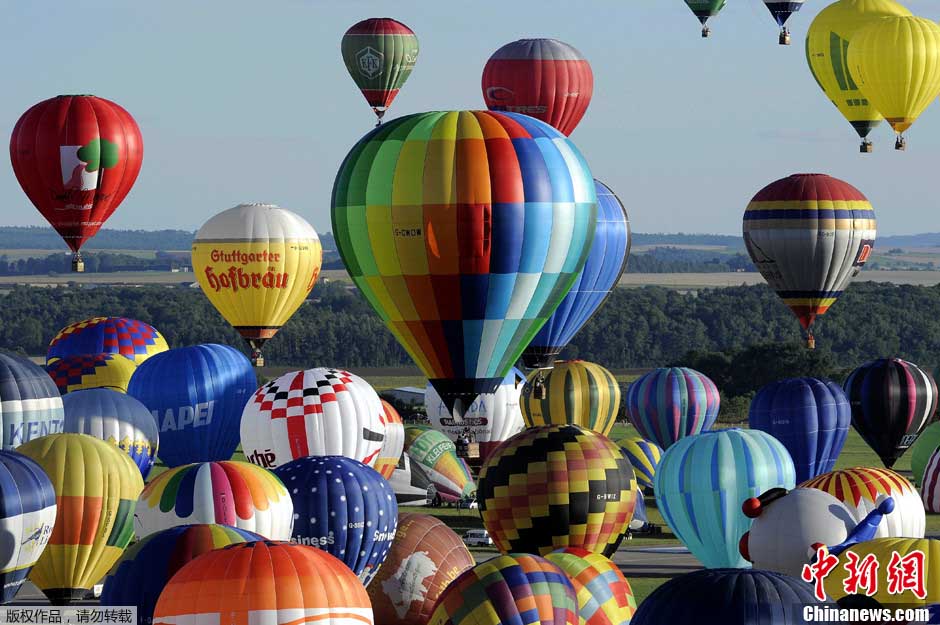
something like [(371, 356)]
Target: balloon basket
[(810, 342), (78, 265), (900, 144), (867, 147), (257, 359), (784, 38), (706, 32)]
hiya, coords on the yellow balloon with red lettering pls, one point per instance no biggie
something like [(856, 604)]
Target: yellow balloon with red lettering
[(257, 263)]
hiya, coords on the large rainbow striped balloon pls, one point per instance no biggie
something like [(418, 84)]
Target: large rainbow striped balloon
[(464, 230), (672, 402), (234, 493)]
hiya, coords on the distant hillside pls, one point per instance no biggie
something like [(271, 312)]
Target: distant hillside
[(684, 240), (928, 239)]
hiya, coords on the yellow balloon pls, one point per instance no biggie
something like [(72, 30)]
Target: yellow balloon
[(575, 392), (882, 549), (896, 61), (257, 263), (827, 42), (96, 487)]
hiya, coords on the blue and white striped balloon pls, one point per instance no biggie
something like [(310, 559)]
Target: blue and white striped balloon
[(30, 404), (702, 481), (344, 508)]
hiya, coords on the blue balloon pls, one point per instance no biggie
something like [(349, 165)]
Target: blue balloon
[(30, 403), (702, 480), (605, 263), (344, 508), (116, 418), (729, 597), (197, 395), (811, 417), (27, 515)]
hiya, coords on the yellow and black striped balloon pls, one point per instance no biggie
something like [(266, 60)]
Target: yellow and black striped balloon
[(577, 393)]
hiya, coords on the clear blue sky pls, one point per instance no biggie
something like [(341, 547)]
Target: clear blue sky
[(249, 101)]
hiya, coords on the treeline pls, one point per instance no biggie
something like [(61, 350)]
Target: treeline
[(679, 260), (95, 262)]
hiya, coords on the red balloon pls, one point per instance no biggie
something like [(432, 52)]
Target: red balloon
[(76, 157), (544, 78)]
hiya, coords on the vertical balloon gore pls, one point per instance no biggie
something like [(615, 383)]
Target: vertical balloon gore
[(459, 394)]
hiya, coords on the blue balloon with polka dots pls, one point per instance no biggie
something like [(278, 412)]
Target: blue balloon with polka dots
[(344, 508)]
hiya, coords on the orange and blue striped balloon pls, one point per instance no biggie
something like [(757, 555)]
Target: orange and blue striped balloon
[(671, 403)]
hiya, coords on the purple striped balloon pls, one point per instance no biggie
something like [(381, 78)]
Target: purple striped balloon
[(671, 403), (930, 486)]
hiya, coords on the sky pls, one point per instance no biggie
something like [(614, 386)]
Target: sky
[(246, 101)]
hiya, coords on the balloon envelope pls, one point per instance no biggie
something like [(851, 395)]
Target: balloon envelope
[(147, 566), (670, 403), (88, 371), (892, 400), (593, 514), (379, 54), (233, 493), (702, 480), (27, 516), (317, 412), (520, 181), (115, 418), (644, 456), (76, 157), (96, 487), (30, 404), (576, 392), (437, 456), (882, 549), (394, 444), (923, 449), (605, 263), (343, 507), (425, 557), (930, 488), (604, 594), (130, 338), (196, 394), (545, 78), (811, 417)]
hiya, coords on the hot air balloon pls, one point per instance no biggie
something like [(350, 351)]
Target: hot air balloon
[(425, 557), (133, 339), (317, 412), (781, 10), (437, 456), (76, 157), (518, 477), (923, 449), (811, 417), (705, 9), (861, 489), (604, 594), (410, 483), (644, 456), (827, 43), (380, 54), (809, 235), (231, 493), (464, 287), (702, 480), (896, 61), (257, 263), (96, 488), (196, 394), (344, 507), (892, 400), (930, 488), (882, 550), (27, 515), (394, 443), (115, 418), (545, 78), (576, 392), (489, 420), (729, 597), (515, 588), (88, 371), (605, 263), (147, 566), (670, 403), (277, 582), (30, 404)]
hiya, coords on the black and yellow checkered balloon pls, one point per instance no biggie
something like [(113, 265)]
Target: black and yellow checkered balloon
[(576, 392), (557, 486)]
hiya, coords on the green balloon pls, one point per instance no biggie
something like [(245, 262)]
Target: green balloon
[(379, 54)]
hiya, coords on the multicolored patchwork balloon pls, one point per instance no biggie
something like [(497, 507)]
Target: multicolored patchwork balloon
[(231, 493), (514, 588), (644, 456), (437, 456), (595, 477), (88, 371), (576, 392), (343, 507), (464, 230), (30, 403), (133, 339), (147, 566), (276, 582), (604, 594), (670, 403), (702, 480)]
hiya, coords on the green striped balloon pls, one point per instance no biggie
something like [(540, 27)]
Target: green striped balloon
[(576, 393), (379, 54)]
